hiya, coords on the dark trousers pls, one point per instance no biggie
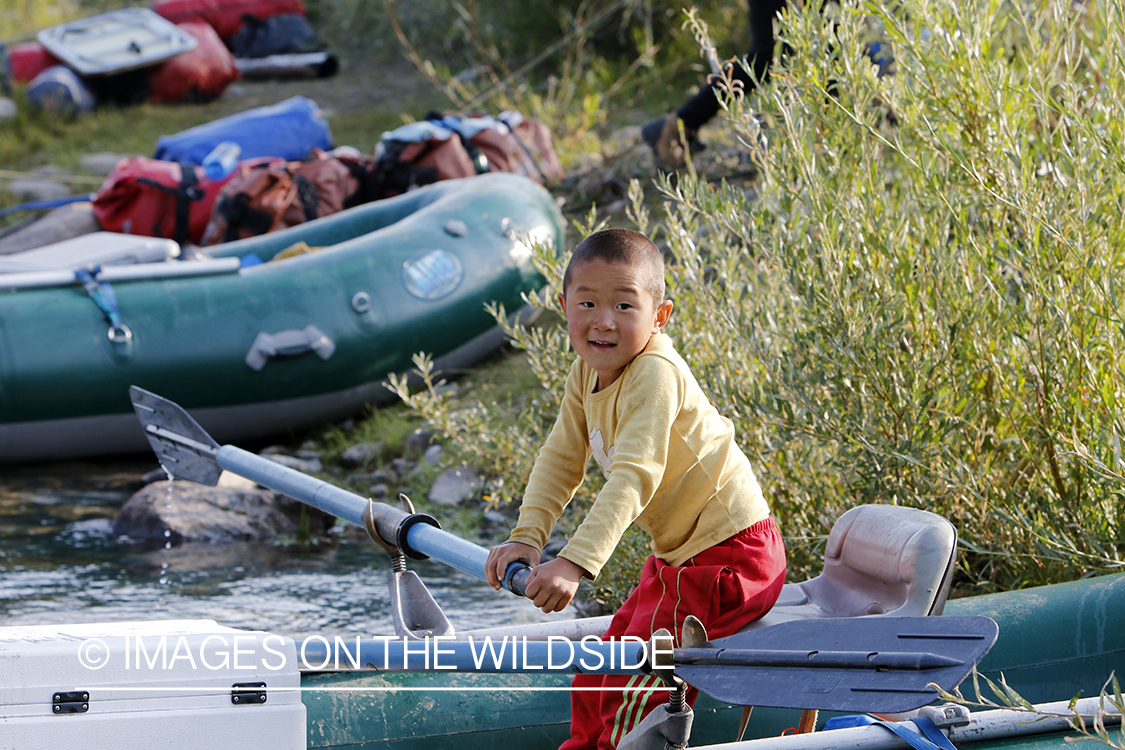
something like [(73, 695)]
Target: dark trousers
[(704, 105)]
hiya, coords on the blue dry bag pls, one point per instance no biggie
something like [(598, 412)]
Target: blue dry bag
[(290, 130)]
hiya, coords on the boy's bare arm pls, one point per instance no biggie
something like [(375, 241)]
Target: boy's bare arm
[(553, 584), (503, 555)]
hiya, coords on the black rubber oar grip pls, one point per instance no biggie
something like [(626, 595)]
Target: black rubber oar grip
[(515, 578)]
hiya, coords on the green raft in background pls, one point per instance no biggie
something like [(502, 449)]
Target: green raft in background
[(1055, 642), (264, 349)]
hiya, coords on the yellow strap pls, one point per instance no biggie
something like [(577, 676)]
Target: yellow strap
[(745, 720), (808, 721), (292, 251)]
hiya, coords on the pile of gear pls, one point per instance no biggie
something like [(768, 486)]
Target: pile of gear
[(274, 167), (218, 43)]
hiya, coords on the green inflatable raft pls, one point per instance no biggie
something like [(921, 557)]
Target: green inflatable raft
[(1056, 642), (257, 350)]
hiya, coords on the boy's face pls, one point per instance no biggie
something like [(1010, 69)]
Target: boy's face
[(610, 316)]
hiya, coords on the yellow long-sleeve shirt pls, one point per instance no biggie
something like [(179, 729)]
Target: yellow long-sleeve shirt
[(670, 461)]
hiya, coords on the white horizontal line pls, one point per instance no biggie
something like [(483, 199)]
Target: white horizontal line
[(373, 689)]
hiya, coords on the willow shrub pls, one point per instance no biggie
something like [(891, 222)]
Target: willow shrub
[(918, 304)]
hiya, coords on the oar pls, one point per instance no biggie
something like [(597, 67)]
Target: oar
[(186, 451), (881, 664)]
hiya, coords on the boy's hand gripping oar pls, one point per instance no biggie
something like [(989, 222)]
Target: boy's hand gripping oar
[(186, 451)]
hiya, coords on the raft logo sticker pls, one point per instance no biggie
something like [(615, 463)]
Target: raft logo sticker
[(432, 274)]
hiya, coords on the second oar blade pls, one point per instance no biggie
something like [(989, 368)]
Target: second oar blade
[(857, 664), (184, 449)]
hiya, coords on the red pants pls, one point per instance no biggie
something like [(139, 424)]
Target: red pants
[(727, 586)]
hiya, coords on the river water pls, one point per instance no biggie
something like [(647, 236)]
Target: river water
[(61, 563)]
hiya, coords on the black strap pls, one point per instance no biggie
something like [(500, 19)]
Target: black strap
[(475, 156), (186, 193), (308, 196), (183, 193), (368, 181), (239, 215), (395, 176)]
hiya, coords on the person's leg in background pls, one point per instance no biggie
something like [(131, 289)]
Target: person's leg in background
[(662, 134)]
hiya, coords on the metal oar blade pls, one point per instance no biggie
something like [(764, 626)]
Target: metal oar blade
[(857, 664), (184, 449)]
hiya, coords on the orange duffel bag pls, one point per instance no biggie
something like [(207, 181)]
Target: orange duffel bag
[(268, 197)]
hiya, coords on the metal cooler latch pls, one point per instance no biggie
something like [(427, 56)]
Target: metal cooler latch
[(71, 702), (247, 693)]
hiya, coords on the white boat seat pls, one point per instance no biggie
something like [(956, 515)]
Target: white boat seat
[(879, 560), (96, 248)]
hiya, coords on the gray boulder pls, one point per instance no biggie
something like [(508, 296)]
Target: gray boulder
[(361, 454), (454, 485), (64, 223), (181, 511), (418, 442), (34, 189), (310, 464), (103, 162)]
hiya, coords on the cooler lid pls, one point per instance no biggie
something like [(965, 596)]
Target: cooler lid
[(140, 662), (116, 41)]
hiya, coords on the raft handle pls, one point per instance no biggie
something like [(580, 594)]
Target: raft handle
[(289, 344)]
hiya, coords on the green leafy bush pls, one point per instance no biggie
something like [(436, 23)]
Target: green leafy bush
[(917, 304)]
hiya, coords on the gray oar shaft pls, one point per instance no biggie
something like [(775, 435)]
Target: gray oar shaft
[(428, 540), (873, 660), (309, 490)]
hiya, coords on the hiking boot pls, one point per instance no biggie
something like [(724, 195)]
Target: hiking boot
[(663, 136)]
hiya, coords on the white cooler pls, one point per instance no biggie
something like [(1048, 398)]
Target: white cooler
[(145, 685)]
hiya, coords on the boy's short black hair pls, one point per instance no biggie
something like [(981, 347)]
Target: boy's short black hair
[(620, 245)]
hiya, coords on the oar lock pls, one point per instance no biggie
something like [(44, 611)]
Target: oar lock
[(414, 613), (400, 549)]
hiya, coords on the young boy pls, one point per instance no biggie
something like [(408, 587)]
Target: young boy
[(671, 465)]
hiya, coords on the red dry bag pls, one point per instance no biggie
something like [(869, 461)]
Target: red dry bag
[(156, 199), (225, 15), (200, 75), (29, 59)]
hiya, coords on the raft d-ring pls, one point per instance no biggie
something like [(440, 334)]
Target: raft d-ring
[(361, 302), (120, 334)]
